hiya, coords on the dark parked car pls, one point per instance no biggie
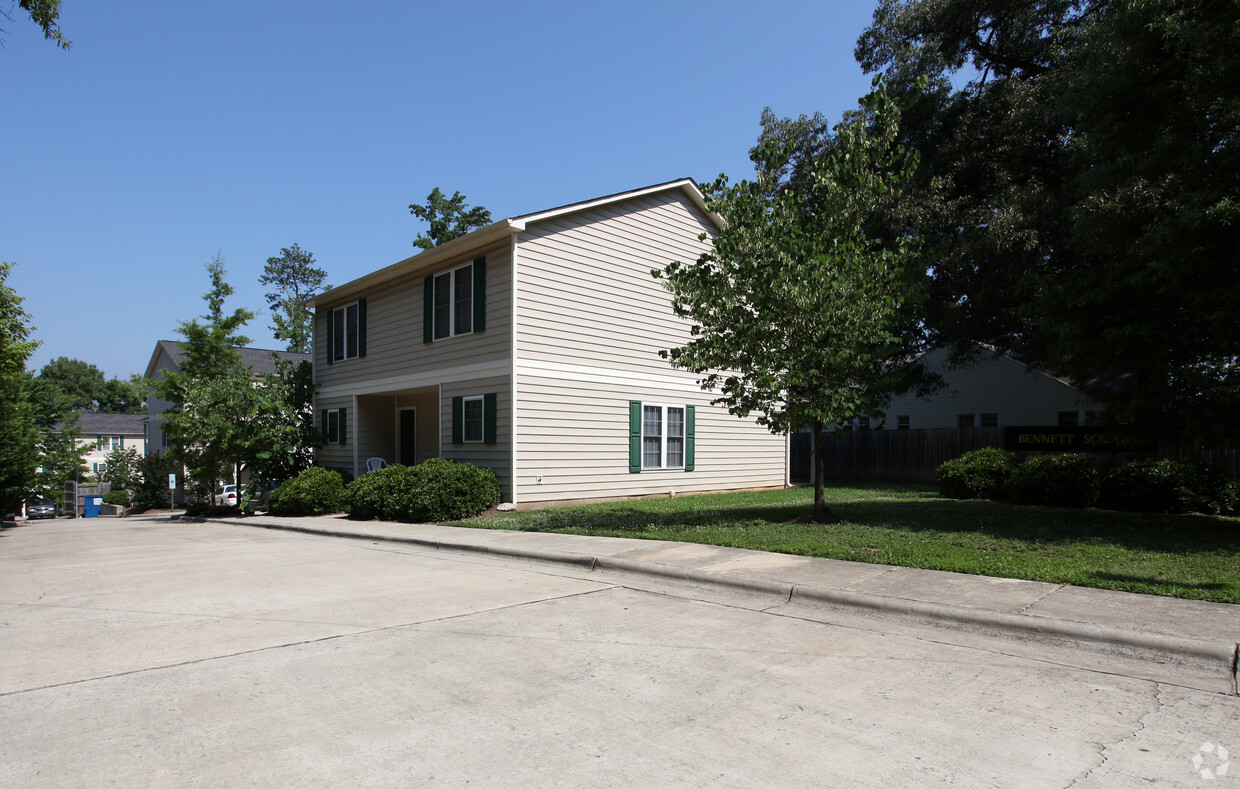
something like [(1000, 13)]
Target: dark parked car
[(41, 509)]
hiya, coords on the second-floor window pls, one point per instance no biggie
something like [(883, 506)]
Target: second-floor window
[(455, 302), (109, 443), (345, 326)]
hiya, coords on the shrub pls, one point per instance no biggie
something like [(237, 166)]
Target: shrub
[(118, 497), (980, 474), (1169, 486), (315, 491), (152, 487), (436, 490), (1056, 480)]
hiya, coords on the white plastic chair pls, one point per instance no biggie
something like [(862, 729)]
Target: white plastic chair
[(374, 464)]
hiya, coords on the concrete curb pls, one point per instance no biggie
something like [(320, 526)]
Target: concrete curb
[(1213, 655)]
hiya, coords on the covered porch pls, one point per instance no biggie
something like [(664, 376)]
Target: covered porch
[(399, 427)]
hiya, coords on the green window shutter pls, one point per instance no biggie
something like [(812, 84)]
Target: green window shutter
[(331, 347), (480, 294), (324, 427), (635, 436), (344, 430), (689, 437), (489, 408), (458, 419), (361, 327), (98, 442), (428, 309), (122, 442)]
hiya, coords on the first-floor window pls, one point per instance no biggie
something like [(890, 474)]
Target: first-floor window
[(964, 420), (1067, 419), (990, 420), (663, 436), (334, 425), (472, 419), (903, 422)]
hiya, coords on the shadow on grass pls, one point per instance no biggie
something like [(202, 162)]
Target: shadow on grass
[(1171, 534), (1113, 580)]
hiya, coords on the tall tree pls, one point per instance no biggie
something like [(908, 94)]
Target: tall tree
[(448, 218), (1080, 179), (123, 397), (294, 279), (81, 382), (19, 435), (211, 394), (45, 14), (797, 313)]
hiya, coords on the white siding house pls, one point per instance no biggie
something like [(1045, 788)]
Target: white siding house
[(991, 392), (168, 355), (106, 432), (531, 347)]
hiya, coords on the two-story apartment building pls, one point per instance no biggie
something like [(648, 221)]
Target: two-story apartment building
[(531, 347)]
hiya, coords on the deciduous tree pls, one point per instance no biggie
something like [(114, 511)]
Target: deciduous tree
[(798, 315), (19, 435), (448, 218), (1079, 178)]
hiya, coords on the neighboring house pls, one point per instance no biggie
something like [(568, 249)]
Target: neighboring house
[(106, 432), (531, 347), (168, 355), (991, 392)]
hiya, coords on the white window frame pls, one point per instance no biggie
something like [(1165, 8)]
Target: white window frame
[(664, 435), (109, 443), (333, 421), (340, 333), (906, 424), (465, 419), (454, 275)]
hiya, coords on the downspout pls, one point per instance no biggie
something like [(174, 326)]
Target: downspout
[(512, 366)]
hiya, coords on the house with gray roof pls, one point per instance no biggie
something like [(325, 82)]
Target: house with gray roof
[(168, 356)]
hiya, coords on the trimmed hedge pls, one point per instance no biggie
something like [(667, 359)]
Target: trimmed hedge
[(1170, 486), (117, 497), (435, 490), (315, 491), (980, 474), (1056, 481)]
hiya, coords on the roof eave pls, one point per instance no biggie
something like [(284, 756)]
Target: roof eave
[(463, 245)]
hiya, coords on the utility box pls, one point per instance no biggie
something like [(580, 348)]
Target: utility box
[(93, 505)]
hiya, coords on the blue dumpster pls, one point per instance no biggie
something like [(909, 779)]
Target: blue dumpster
[(93, 505)]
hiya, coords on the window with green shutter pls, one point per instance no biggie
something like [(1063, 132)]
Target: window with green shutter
[(474, 419), (661, 436), (454, 301)]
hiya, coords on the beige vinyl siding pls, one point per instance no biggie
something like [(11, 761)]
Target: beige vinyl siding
[(585, 286), (339, 456), (575, 434), (1020, 397), (497, 456), (394, 347)]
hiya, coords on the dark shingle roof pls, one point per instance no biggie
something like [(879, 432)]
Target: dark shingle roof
[(257, 359), (110, 424)]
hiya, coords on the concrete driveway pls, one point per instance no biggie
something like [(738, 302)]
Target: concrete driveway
[(151, 653)]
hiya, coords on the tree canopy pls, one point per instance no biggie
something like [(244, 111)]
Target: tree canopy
[(82, 387), (45, 14), (19, 435), (1080, 180), (448, 217), (294, 278), (798, 315)]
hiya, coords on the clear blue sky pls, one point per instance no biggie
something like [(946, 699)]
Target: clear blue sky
[(175, 131)]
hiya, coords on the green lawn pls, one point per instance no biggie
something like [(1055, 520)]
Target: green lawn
[(1188, 556)]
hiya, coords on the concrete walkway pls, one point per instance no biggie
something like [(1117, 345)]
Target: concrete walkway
[(1197, 643)]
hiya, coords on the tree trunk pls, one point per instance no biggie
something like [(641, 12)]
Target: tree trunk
[(821, 513)]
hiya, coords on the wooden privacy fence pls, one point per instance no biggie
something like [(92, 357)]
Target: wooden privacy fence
[(913, 455)]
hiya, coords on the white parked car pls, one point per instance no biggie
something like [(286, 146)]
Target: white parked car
[(227, 497)]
